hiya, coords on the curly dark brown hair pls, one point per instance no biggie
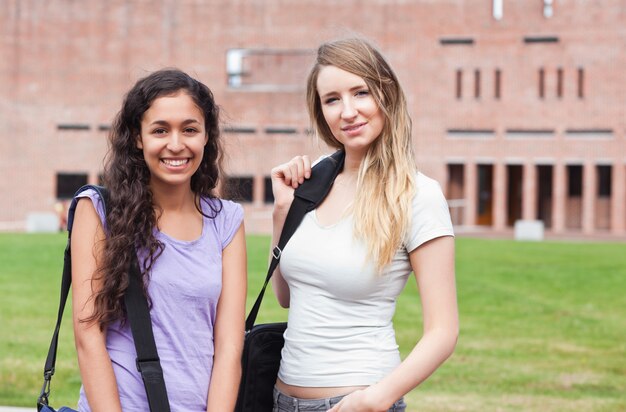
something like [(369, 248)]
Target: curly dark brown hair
[(132, 215)]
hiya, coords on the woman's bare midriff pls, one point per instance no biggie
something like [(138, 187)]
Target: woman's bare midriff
[(315, 393)]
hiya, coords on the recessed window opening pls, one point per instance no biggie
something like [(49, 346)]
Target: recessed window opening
[(497, 80), (604, 181), (573, 205), (540, 39), (459, 83), (455, 192), (280, 130), (544, 194), (580, 84), (514, 193), (73, 126), (268, 196), (559, 82), (242, 130), (542, 79), (574, 180), (470, 131), (477, 84), (460, 41), (603, 200), (484, 198), (238, 188), (69, 183)]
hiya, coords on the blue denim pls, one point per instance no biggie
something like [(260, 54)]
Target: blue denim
[(285, 403)]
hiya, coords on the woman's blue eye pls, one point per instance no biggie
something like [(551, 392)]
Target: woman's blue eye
[(363, 93), (330, 100)]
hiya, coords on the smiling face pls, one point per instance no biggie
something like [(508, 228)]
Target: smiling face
[(172, 139), (349, 108)]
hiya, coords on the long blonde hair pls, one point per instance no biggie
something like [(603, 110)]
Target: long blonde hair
[(382, 206)]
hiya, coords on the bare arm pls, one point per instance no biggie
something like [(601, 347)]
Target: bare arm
[(229, 326), (433, 264), (285, 179), (96, 370)]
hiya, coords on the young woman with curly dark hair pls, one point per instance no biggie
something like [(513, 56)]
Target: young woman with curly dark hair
[(161, 171)]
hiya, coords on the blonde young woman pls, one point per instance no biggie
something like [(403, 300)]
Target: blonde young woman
[(343, 269)]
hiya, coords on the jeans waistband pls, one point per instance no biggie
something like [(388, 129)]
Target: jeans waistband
[(284, 402)]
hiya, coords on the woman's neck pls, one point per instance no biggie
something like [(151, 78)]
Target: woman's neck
[(352, 164), (174, 199)]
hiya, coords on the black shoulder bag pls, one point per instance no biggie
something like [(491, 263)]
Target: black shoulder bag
[(263, 343), (138, 315)]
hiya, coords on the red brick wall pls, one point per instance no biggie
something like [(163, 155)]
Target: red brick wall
[(70, 62)]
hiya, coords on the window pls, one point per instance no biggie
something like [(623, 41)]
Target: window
[(484, 196), (497, 77), (574, 180), (542, 78), (459, 83), (463, 41), (280, 130), (540, 39), (544, 194), (69, 183), (477, 84), (604, 181), (239, 129), (238, 188), (589, 133), (580, 87), (268, 198), (529, 132), (73, 126), (559, 82), (478, 133)]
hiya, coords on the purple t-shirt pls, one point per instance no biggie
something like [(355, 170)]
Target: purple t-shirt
[(185, 285)]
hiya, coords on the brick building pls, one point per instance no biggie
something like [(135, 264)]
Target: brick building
[(518, 107)]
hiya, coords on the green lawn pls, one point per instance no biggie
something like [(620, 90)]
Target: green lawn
[(543, 325)]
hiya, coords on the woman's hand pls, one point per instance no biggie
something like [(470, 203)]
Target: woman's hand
[(362, 400), (287, 177)]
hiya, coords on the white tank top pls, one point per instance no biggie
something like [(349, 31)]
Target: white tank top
[(340, 330)]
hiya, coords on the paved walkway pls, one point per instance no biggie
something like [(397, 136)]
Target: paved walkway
[(16, 409)]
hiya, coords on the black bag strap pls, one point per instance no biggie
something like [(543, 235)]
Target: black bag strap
[(306, 198), (148, 363), (137, 309)]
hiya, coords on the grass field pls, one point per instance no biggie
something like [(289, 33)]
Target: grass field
[(543, 325)]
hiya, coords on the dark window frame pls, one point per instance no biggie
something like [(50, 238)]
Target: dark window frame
[(497, 92), (67, 183), (574, 180), (580, 83), (605, 180), (459, 84), (559, 82), (268, 195), (239, 188), (477, 83)]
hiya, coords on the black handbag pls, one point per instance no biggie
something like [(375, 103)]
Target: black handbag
[(263, 343), (138, 313)]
